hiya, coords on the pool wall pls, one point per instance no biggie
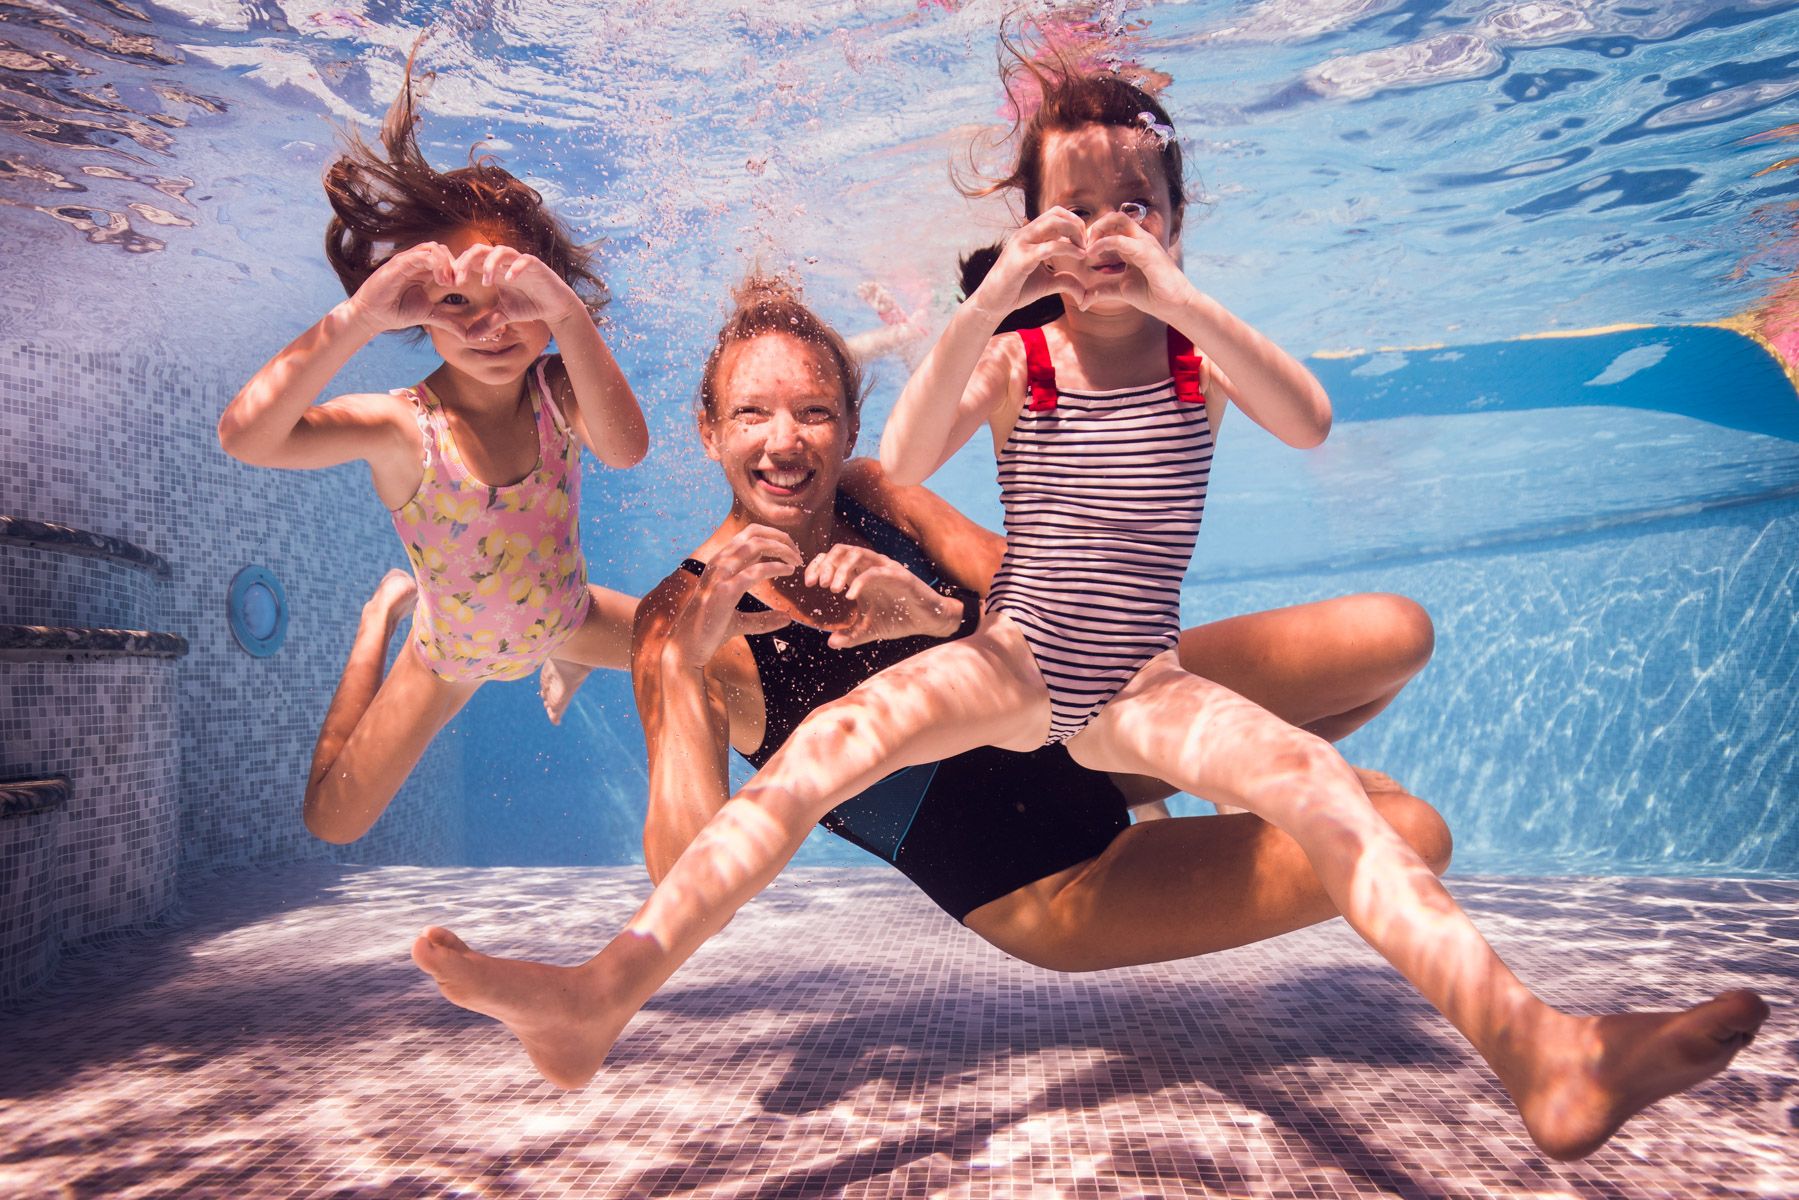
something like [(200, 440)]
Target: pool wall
[(182, 765), (1608, 703)]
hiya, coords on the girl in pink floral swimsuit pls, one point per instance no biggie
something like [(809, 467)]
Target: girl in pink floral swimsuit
[(479, 463)]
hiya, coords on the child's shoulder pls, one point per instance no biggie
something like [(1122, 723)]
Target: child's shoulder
[(377, 407)]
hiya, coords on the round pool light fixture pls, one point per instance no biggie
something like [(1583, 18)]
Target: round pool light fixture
[(257, 607)]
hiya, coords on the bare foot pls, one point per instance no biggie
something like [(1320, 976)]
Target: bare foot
[(1588, 1075), (557, 683), (393, 596), (548, 1009), (1375, 781)]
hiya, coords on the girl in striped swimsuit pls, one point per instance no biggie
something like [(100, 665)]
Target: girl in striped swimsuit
[(1103, 424)]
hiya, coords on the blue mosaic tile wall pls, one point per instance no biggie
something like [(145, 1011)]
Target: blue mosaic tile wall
[(1620, 702), (209, 751)]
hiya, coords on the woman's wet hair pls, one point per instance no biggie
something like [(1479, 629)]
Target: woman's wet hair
[(387, 200), (1052, 92), (768, 304)]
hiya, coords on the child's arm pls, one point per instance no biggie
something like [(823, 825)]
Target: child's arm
[(1265, 381), (605, 414), (967, 375), (273, 421)]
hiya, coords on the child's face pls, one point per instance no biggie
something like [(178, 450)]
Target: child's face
[(1104, 171), (781, 429), (506, 353)]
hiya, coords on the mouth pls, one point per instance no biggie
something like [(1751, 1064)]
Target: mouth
[(783, 481), (492, 351), (1109, 268)]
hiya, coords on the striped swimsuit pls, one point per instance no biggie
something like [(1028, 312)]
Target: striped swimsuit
[(1103, 493)]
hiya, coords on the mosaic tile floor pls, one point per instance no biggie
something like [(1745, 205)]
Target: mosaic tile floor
[(843, 1038)]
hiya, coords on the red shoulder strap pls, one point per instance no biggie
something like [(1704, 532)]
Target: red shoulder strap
[(1187, 367), (1040, 372)]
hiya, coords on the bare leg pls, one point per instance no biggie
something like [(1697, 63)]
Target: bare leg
[(1575, 1080), (604, 640), (982, 690), (375, 729), (1328, 667), (1184, 887)]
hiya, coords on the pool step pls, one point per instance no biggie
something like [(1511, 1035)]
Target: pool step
[(24, 797), (47, 643), (66, 539)]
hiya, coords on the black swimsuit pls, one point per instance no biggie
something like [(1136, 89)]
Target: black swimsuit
[(967, 830)]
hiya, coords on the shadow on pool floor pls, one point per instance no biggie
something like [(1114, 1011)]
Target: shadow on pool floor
[(843, 1037)]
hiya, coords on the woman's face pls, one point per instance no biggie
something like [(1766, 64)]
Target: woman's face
[(781, 429)]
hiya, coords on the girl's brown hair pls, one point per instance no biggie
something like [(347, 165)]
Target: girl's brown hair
[(1068, 95), (386, 203), (768, 304)]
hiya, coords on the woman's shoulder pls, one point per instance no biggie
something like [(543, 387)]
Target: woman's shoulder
[(660, 604), (864, 482)]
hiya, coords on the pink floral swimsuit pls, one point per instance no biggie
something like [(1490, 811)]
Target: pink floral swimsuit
[(501, 579)]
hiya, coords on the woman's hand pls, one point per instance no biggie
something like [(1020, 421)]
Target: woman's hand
[(710, 617), (527, 289), (1150, 280), (890, 601), (397, 295), (1041, 259)]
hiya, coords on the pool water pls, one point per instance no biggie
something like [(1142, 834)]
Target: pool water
[(1543, 255), (1601, 522)]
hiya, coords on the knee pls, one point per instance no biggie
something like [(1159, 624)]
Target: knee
[(327, 818), (1422, 826), (1408, 631)]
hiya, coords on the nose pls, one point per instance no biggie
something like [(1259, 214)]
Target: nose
[(783, 431), (483, 322)]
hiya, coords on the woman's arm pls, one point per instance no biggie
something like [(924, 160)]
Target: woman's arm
[(686, 650), (964, 552)]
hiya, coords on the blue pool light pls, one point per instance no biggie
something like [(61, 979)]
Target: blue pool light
[(257, 607)]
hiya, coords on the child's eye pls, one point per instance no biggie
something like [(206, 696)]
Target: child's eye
[(1136, 210), (1082, 213), (454, 298)]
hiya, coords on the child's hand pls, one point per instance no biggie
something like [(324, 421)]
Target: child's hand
[(710, 617), (1128, 261), (890, 601), (1039, 260), (527, 289), (396, 296)]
